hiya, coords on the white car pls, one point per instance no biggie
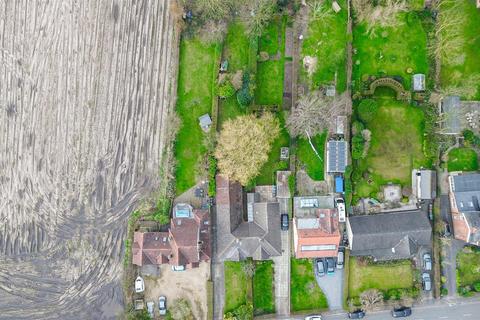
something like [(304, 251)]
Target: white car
[(139, 285), (314, 317), (162, 305), (340, 204), (178, 268), (150, 306)]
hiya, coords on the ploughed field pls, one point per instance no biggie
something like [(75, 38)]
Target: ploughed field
[(85, 87)]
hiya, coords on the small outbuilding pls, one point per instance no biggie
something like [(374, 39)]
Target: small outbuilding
[(330, 91), (205, 122), (424, 184), (284, 153), (418, 82), (337, 156), (336, 7)]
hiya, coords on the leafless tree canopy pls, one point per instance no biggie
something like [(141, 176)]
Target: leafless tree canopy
[(370, 298), (384, 14), (244, 144), (314, 113)]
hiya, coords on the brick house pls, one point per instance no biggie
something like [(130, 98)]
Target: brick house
[(186, 243)]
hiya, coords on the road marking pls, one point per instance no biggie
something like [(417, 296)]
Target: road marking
[(443, 317), (467, 314)]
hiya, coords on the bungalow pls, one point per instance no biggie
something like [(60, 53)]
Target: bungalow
[(251, 233), (186, 243), (389, 236), (465, 208)]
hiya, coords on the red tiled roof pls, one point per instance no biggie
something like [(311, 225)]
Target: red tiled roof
[(187, 242)]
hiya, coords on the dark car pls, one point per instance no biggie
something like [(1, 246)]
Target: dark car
[(430, 211), (359, 314), (320, 266), (330, 266), (401, 312), (447, 232), (284, 219)]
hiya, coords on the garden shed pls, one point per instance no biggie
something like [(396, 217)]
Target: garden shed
[(205, 122), (418, 82)]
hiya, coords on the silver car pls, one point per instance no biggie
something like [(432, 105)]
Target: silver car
[(162, 305), (150, 306), (427, 262), (426, 282)]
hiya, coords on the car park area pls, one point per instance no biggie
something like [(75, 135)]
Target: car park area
[(330, 281)]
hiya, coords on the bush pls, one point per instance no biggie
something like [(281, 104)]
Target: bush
[(465, 291), (358, 144), (471, 138), (357, 127), (225, 90), (476, 286), (212, 171), (291, 184), (245, 94), (367, 109), (162, 211), (443, 291)]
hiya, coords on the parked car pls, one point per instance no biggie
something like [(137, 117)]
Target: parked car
[(330, 266), (314, 317), (162, 305), (427, 261), (139, 285), (430, 211), (150, 306), (178, 268), (401, 312), (426, 281), (340, 258), (340, 204), (320, 266), (274, 191), (358, 314), (284, 220)]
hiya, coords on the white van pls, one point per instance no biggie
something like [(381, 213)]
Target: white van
[(340, 259), (340, 204)]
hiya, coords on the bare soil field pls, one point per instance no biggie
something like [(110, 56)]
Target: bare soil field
[(85, 89)]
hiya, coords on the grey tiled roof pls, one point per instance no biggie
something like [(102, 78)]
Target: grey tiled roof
[(466, 189), (394, 235), (238, 239)]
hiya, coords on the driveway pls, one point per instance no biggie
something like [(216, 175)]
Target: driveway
[(332, 286), (282, 269), (450, 248)]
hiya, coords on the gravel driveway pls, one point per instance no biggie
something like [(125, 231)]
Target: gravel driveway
[(332, 286)]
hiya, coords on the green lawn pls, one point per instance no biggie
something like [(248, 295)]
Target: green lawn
[(468, 267), (269, 77), (396, 147), (326, 39), (391, 50), (462, 159), (456, 71), (308, 158), (267, 174), (305, 294), (263, 290), (379, 276), (238, 287), (237, 51), (198, 67)]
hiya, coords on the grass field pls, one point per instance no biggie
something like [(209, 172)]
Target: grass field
[(326, 39), (395, 147), (267, 174), (263, 290), (462, 159), (391, 50), (198, 66), (308, 158), (237, 49), (238, 287), (468, 267), (269, 90), (454, 73), (305, 294), (380, 276)]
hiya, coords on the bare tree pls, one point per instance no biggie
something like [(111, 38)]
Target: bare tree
[(181, 310), (370, 298), (314, 113), (382, 14), (244, 144), (215, 9), (257, 15)]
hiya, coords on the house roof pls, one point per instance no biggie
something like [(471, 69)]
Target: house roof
[(257, 237), (424, 183), (466, 194), (451, 108), (187, 242), (337, 156), (418, 82), (317, 235), (393, 235), (308, 206)]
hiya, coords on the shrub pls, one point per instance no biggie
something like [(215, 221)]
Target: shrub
[(443, 291), (358, 144), (367, 109), (357, 127), (225, 90), (162, 211), (471, 138), (212, 171), (465, 291), (291, 184), (476, 286), (243, 97)]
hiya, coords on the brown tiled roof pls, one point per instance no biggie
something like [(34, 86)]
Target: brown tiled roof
[(187, 242)]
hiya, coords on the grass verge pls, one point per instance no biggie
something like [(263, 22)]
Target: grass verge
[(238, 286), (305, 294), (263, 290), (462, 159)]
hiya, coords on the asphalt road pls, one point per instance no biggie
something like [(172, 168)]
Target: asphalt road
[(439, 310)]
